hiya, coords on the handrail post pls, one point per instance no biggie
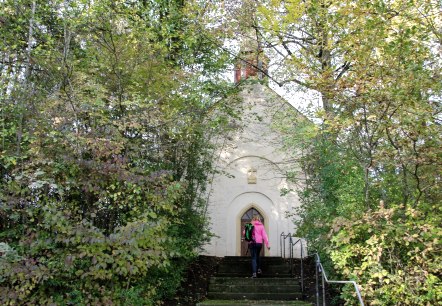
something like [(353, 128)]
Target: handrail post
[(323, 288), (302, 270), (280, 242), (291, 247), (285, 237), (317, 282), (291, 254)]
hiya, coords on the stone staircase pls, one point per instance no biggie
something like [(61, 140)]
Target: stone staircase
[(233, 285)]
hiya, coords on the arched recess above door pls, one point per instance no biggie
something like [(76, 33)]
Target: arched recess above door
[(263, 159), (247, 200)]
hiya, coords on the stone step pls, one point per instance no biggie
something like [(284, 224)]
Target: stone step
[(252, 303), (249, 275), (246, 259), (247, 269), (241, 267), (254, 296), (247, 272), (265, 258), (255, 281), (233, 284), (248, 263), (255, 288)]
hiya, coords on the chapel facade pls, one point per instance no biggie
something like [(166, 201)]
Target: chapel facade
[(252, 166)]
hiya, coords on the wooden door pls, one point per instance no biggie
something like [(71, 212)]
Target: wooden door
[(246, 218)]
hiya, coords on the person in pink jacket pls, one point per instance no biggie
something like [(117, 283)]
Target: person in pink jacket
[(259, 237)]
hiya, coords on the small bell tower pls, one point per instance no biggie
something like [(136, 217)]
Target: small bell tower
[(251, 61)]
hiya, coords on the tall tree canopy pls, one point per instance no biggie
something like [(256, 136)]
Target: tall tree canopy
[(375, 156), (107, 108)]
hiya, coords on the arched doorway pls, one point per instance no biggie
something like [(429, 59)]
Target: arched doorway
[(245, 218)]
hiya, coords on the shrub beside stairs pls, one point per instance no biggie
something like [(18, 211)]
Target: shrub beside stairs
[(233, 284)]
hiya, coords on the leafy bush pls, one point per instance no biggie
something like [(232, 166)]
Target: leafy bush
[(76, 262), (394, 254)]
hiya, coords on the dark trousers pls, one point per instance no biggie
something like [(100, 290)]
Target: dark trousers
[(255, 250)]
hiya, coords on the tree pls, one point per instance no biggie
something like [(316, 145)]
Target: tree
[(377, 68), (107, 110)]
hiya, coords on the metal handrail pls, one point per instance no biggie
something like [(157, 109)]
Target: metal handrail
[(292, 245), (324, 277), (282, 239), (318, 266)]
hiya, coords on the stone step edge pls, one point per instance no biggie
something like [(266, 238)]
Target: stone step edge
[(254, 296), (237, 276), (253, 303), (246, 287), (247, 276)]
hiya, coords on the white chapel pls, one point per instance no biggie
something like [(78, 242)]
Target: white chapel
[(252, 166)]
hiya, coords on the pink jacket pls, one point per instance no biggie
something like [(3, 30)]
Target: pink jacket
[(259, 233)]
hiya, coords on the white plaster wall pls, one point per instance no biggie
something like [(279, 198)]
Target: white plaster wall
[(254, 145)]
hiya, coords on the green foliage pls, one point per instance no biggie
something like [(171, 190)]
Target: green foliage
[(377, 70), (332, 180), (106, 113), (393, 253)]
